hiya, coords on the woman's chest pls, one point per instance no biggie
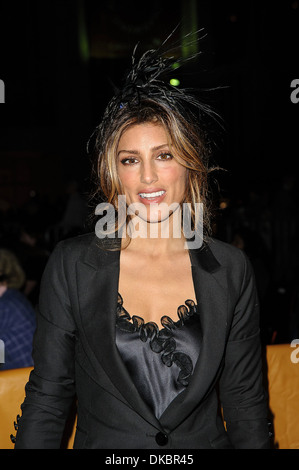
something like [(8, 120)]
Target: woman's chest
[(151, 290)]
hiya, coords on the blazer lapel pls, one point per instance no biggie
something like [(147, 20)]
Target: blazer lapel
[(97, 277), (210, 284)]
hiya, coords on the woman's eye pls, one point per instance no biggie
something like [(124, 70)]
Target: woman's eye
[(129, 161), (165, 156)]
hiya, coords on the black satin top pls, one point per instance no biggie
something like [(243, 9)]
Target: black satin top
[(159, 361)]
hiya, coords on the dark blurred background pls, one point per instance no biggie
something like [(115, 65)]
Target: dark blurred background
[(60, 61)]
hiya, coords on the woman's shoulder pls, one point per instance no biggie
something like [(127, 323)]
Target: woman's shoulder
[(77, 243), (226, 254), (237, 265), (86, 247)]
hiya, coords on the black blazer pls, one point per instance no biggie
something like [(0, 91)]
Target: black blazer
[(75, 354)]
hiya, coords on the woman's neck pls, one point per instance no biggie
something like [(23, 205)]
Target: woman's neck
[(157, 238)]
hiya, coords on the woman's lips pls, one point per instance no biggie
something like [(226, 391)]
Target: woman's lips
[(152, 197)]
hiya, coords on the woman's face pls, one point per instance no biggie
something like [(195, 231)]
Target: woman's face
[(149, 173)]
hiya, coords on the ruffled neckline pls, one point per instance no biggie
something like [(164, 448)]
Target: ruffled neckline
[(137, 323), (161, 340)]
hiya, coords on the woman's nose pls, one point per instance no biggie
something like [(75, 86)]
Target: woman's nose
[(148, 173)]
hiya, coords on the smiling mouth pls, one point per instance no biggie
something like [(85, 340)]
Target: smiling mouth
[(153, 195)]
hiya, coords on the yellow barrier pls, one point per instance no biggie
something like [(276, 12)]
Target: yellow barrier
[(12, 394), (283, 388)]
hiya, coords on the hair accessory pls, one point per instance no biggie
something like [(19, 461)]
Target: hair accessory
[(149, 78)]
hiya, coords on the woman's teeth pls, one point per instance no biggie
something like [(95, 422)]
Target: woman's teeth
[(151, 195)]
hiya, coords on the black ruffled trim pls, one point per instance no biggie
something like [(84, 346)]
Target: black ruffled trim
[(16, 426), (161, 340)]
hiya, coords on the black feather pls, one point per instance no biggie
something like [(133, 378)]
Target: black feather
[(149, 77)]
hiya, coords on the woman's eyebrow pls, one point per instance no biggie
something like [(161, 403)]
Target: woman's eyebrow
[(159, 147), (136, 152)]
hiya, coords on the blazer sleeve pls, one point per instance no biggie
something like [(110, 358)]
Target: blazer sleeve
[(241, 388), (51, 387)]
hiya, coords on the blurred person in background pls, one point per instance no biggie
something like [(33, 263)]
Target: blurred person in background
[(17, 316), (33, 257), (75, 213)]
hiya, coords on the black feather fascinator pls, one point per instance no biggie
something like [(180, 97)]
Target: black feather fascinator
[(149, 78)]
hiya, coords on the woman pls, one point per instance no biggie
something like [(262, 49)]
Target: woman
[(140, 321)]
